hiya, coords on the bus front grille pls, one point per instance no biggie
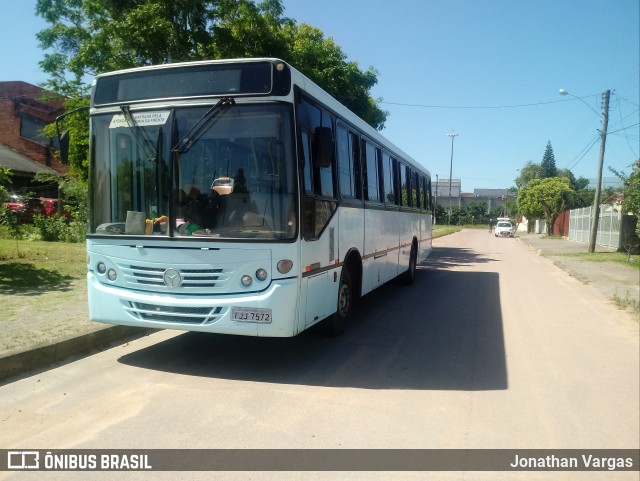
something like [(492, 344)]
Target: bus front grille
[(191, 279), (173, 314)]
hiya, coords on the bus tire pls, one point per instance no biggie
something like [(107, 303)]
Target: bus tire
[(339, 321), (409, 276)]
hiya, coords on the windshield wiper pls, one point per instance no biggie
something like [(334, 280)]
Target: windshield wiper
[(196, 131), (143, 140)]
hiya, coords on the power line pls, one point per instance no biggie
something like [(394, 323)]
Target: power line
[(586, 151), (625, 128), (476, 106)]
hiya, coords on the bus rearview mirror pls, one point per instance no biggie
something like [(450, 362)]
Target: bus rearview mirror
[(63, 140)]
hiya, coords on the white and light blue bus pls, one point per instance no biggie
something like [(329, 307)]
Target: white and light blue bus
[(238, 197)]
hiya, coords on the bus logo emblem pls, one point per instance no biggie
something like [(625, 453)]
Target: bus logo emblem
[(171, 278)]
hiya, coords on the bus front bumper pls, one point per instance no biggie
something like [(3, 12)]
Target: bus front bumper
[(269, 313)]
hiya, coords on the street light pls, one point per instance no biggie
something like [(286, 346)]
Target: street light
[(453, 136), (595, 214)]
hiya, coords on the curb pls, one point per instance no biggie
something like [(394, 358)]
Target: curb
[(40, 358)]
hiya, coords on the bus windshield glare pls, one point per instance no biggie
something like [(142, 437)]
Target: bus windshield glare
[(235, 179)]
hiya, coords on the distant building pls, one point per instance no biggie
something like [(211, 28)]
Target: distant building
[(24, 149), (441, 192), (492, 197)]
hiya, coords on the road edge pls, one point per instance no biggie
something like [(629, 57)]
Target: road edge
[(28, 361)]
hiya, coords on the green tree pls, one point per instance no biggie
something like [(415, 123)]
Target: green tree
[(477, 210), (631, 191), (527, 173), (545, 198), (440, 214), (548, 163), (582, 197), (94, 36), (5, 181)]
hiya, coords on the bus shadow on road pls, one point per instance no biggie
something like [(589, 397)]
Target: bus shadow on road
[(443, 333), (447, 257)]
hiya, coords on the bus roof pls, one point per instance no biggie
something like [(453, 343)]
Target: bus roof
[(298, 78)]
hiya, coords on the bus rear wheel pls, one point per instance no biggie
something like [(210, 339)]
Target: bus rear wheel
[(338, 322), (410, 274)]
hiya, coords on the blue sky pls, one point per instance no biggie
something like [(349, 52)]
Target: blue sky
[(489, 71)]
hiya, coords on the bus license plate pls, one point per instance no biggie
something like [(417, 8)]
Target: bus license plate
[(250, 314)]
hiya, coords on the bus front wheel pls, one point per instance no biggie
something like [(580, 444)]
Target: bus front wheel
[(338, 322)]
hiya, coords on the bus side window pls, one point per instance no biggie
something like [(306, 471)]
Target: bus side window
[(405, 184), (348, 170), (388, 183), (371, 162), (316, 136), (324, 180)]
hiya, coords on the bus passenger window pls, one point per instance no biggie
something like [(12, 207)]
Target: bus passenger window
[(405, 185), (422, 201), (346, 165), (371, 182), (388, 179)]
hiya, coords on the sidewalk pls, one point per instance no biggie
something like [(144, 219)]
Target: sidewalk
[(616, 281)]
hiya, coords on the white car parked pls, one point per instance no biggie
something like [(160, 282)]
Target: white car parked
[(504, 229)]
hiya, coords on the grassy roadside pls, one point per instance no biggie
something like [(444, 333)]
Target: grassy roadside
[(34, 266), (43, 292)]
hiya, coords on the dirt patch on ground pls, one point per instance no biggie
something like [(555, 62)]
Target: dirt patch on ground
[(618, 283), (44, 316)]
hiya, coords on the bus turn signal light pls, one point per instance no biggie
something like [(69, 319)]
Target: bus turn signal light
[(284, 266)]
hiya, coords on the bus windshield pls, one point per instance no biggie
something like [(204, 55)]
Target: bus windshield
[(235, 179)]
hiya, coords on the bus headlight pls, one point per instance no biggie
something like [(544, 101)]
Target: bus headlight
[(112, 274), (261, 274), (284, 266), (101, 268), (246, 280)]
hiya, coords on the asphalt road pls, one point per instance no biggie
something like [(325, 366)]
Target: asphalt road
[(492, 347)]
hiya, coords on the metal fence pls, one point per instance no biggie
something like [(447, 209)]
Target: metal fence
[(609, 226)]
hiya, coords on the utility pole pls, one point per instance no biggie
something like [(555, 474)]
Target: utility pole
[(595, 214), (453, 136)]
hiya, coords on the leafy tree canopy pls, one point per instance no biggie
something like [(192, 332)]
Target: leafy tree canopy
[(545, 198), (581, 197), (529, 172), (89, 37), (631, 191), (5, 181)]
